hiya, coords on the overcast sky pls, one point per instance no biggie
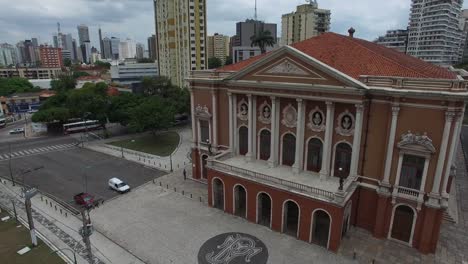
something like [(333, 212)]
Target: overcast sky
[(23, 19)]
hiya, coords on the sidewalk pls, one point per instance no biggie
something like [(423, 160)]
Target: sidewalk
[(179, 158), (61, 228)]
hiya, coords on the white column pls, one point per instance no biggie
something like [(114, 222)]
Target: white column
[(254, 128), (391, 145), (326, 157), (214, 112), (234, 125), (453, 149), (273, 161), (357, 141), (231, 122), (194, 124), (250, 124), (442, 153), (299, 160)]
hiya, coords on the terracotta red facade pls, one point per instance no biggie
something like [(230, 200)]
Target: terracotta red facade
[(311, 144)]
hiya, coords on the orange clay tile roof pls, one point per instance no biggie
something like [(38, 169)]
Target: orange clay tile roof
[(356, 57)]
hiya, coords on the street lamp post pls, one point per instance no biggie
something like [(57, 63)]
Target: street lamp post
[(9, 164), (72, 251)]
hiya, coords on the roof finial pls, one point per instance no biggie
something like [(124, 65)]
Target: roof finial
[(351, 32), (255, 17)]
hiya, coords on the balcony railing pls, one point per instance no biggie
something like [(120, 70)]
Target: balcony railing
[(252, 175), (407, 191)]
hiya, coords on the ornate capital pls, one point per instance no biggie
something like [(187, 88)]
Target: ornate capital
[(299, 100), (395, 109), (329, 103), (359, 107), (273, 98), (449, 115), (249, 96)]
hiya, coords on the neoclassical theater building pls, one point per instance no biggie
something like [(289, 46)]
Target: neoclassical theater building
[(329, 134)]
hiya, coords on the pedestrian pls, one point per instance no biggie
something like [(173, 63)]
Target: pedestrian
[(185, 175)]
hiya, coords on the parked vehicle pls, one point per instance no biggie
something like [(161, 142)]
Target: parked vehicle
[(118, 185), (84, 199), (82, 126), (17, 131)]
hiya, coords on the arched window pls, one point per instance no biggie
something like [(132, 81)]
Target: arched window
[(240, 201), (204, 170), (403, 223), (243, 140), (314, 155), (320, 228), (291, 218), (264, 209), (218, 194), (342, 160), (265, 147), (289, 149)]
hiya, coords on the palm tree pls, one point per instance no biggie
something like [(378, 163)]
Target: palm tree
[(263, 40)]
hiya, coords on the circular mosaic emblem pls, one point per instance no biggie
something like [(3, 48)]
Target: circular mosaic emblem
[(233, 248)]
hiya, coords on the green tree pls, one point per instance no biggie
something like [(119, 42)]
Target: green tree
[(63, 83), (145, 60), (160, 86), (102, 64), (121, 106), (228, 60), (89, 100), (153, 113), (79, 74), (214, 63), (67, 62), (54, 114), (263, 40), (9, 86)]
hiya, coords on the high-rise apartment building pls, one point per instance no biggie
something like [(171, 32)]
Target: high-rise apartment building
[(127, 49), (114, 48), (153, 47), (8, 55), (245, 30), (140, 50), (434, 31), (83, 33), (101, 44), (218, 46), (107, 52), (51, 57), (181, 36), (464, 27), (306, 22), (26, 52), (395, 39)]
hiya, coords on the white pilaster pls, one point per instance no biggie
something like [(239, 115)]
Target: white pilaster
[(254, 128), (250, 124), (326, 157), (194, 124), (299, 155), (442, 153), (234, 125), (453, 149), (214, 112), (231, 122), (391, 145), (357, 141), (273, 161)]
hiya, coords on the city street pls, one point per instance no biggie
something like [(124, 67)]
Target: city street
[(64, 169)]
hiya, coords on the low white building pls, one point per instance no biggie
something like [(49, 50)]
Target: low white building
[(131, 73)]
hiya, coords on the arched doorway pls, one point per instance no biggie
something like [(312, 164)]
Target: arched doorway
[(314, 155), (243, 140), (264, 209), (403, 222), (289, 149), (265, 141), (240, 201), (218, 194), (204, 170), (290, 218), (320, 228), (342, 160)]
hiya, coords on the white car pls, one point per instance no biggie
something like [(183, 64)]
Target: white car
[(17, 131), (118, 185)]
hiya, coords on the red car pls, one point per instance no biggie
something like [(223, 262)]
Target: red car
[(84, 199)]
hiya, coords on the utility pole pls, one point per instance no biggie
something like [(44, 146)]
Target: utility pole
[(86, 233), (28, 194), (14, 210), (9, 164)]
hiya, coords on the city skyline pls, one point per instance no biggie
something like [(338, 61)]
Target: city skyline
[(134, 19)]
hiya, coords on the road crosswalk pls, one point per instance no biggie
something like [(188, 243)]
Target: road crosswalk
[(35, 151)]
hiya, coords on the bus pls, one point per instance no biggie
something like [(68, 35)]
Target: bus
[(81, 126)]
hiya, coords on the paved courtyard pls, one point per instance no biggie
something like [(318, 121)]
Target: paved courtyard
[(161, 226)]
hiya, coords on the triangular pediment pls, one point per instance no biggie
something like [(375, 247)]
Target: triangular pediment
[(289, 65)]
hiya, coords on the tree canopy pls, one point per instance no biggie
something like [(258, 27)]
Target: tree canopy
[(263, 39), (106, 65), (63, 83), (214, 63), (9, 86)]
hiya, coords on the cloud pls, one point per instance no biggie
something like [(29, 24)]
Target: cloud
[(23, 19)]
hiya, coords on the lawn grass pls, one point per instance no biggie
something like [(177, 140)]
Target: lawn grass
[(161, 144), (14, 238)]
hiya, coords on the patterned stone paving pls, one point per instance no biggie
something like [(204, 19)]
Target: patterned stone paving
[(80, 249)]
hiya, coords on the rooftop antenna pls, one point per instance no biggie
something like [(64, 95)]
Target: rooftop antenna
[(255, 10)]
